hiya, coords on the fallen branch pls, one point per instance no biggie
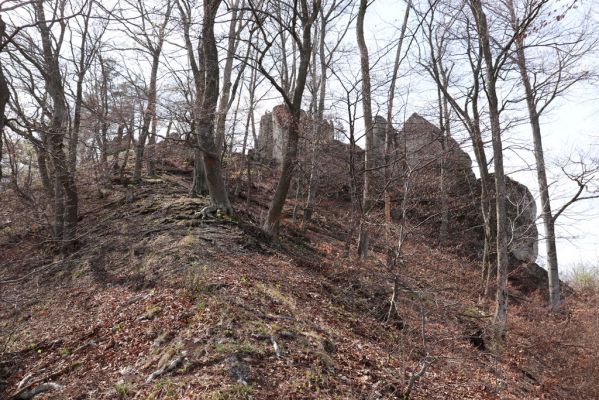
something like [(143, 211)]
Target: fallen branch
[(424, 364), (30, 394), (174, 363)]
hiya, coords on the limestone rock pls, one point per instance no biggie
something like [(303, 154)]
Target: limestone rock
[(521, 211), (274, 133)]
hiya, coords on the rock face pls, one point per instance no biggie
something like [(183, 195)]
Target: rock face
[(274, 132), (521, 210), (423, 145), (423, 149)]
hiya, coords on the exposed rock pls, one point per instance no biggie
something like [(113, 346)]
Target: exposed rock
[(521, 210), (238, 370), (420, 145), (521, 213), (274, 133)]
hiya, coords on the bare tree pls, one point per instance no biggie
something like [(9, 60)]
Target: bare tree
[(465, 103), (150, 34), (542, 85), (301, 15), (206, 72), (367, 201)]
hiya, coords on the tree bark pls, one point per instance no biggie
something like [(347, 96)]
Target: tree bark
[(271, 223), (4, 95), (205, 118), (501, 299), (65, 191), (546, 213), (366, 106)]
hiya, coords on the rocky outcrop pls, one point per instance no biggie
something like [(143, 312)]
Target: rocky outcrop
[(421, 147), (521, 210), (424, 150), (424, 144), (274, 132)]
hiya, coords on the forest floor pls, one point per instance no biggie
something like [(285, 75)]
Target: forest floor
[(159, 303)]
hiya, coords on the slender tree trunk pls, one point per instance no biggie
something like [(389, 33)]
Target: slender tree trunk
[(147, 120), (546, 213), (4, 96), (500, 318), (152, 147), (271, 224), (150, 111), (81, 70), (363, 240), (389, 132), (224, 103), (65, 191), (368, 129), (445, 132), (367, 107)]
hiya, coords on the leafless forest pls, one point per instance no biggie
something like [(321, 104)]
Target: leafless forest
[(255, 199)]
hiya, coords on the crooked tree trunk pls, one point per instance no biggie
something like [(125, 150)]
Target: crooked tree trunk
[(271, 225)]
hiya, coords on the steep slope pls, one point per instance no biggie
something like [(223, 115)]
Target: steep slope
[(160, 302)]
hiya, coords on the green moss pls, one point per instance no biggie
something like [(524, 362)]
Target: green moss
[(233, 392), (64, 351), (245, 347), (122, 389)]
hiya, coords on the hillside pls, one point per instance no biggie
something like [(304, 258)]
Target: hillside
[(161, 303)]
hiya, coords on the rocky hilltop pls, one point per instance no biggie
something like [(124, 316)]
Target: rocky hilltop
[(440, 170)]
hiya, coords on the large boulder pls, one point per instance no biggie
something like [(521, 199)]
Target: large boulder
[(521, 210), (521, 214)]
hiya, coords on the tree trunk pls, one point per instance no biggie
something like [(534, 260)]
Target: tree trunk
[(546, 213), (445, 132), (65, 191), (205, 119), (363, 241), (224, 104), (501, 300), (152, 147), (389, 132), (367, 108), (271, 223), (147, 119), (4, 97)]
